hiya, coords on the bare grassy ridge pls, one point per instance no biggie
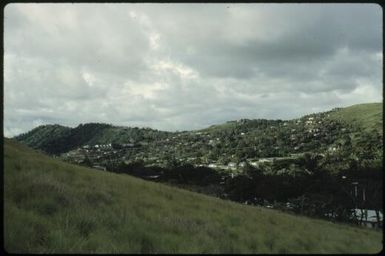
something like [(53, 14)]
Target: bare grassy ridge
[(367, 116), (55, 207)]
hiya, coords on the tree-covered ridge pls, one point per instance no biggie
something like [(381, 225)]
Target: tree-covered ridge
[(234, 141), (56, 139), (42, 137)]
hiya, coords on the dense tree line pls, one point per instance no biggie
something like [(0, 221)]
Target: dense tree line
[(315, 191)]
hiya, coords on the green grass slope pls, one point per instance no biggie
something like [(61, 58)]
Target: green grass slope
[(52, 207), (367, 116)]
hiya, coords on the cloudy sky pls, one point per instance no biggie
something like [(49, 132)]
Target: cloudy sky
[(186, 66)]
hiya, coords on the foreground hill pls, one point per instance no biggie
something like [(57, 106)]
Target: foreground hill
[(53, 207)]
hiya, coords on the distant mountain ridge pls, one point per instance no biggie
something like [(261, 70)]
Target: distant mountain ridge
[(56, 139)]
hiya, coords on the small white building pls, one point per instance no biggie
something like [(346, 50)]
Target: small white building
[(231, 164), (265, 160), (212, 165), (254, 163)]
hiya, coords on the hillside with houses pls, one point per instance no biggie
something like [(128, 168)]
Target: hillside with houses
[(323, 164), (228, 147)]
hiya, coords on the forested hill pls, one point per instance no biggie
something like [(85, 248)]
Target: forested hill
[(56, 139), (239, 139)]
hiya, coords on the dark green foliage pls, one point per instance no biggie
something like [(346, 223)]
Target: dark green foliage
[(55, 139), (317, 192), (183, 174)]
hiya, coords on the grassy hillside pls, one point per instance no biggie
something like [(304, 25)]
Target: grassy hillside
[(52, 207), (367, 116)]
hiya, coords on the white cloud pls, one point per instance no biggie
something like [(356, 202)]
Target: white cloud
[(186, 66), (184, 72)]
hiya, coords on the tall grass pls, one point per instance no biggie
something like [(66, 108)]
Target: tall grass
[(55, 207)]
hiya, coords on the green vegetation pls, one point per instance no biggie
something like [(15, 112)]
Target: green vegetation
[(41, 137), (232, 142), (56, 139), (366, 116), (55, 207), (313, 185)]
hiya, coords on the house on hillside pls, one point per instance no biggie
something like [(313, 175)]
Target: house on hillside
[(254, 163), (265, 160), (128, 145), (232, 164), (242, 164)]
